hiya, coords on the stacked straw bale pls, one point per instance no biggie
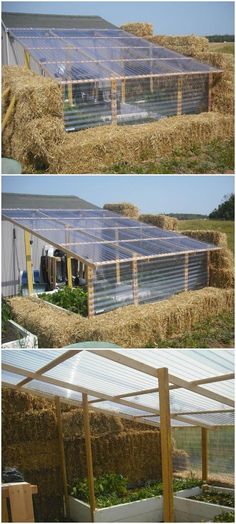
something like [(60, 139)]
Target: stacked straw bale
[(162, 221), (90, 152), (185, 45), (221, 262), (123, 208), (130, 326), (139, 29), (36, 125)]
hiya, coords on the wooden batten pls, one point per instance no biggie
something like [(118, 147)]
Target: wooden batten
[(204, 454), (89, 458), (69, 271), (210, 85), (90, 290), (123, 91), (135, 280), (180, 97), (166, 445), (27, 59), (208, 267), (62, 457), (117, 259), (186, 272), (114, 102), (28, 262)]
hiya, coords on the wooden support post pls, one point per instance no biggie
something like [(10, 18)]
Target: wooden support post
[(210, 83), (28, 262), (70, 94), (208, 267), (135, 280), (151, 84), (90, 290), (186, 261), (117, 258), (114, 102), (204, 454), (180, 97), (123, 91), (69, 271), (8, 113), (27, 59), (96, 90), (89, 458), (166, 445), (62, 457)]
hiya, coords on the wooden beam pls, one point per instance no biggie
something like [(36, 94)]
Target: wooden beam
[(210, 84), (204, 454), (69, 271), (90, 291), (114, 102), (180, 97), (62, 458), (55, 362), (186, 270), (28, 263), (166, 445), (9, 112), (89, 458), (123, 91), (27, 59), (135, 280)]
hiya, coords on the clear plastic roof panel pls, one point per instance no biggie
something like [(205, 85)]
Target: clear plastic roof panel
[(101, 237), (120, 388), (98, 54)]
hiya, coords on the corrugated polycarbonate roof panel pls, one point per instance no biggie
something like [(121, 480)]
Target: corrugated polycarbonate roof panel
[(96, 54), (106, 380), (101, 237)]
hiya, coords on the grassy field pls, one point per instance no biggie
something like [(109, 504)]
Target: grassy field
[(225, 226), (214, 158), (222, 47)]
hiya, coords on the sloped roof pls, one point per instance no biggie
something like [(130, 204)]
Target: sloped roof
[(60, 21), (26, 201)]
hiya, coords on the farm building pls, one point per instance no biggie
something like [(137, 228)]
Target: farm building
[(107, 75), (118, 260), (154, 398)]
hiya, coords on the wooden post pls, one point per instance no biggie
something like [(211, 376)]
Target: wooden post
[(135, 280), (186, 261), (180, 97), (204, 454), (166, 445), (89, 458), (8, 113), (69, 271), (27, 59), (208, 267), (90, 290), (70, 94), (123, 91), (62, 457), (210, 83), (28, 262), (151, 84), (117, 258), (113, 102)]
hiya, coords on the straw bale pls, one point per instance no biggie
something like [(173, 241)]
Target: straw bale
[(222, 278), (222, 259), (138, 29), (30, 425), (30, 455), (180, 460), (124, 208), (209, 236), (130, 326), (187, 45), (14, 401), (90, 152), (99, 423), (162, 221)]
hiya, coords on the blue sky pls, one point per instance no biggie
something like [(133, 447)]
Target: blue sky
[(153, 194), (167, 17)]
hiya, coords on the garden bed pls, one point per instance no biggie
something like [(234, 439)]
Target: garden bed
[(204, 505), (15, 336)]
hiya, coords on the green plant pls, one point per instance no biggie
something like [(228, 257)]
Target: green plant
[(6, 314), (74, 300), (213, 497), (225, 517)]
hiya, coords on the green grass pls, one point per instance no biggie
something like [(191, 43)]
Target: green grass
[(212, 333), (213, 158), (225, 226), (221, 47)]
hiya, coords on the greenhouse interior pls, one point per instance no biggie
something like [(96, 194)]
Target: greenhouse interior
[(110, 76), (118, 261), (185, 396)]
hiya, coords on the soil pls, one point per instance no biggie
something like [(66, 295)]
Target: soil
[(223, 499)]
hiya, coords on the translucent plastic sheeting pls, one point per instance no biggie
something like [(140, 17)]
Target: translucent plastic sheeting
[(80, 55), (105, 379), (105, 237)]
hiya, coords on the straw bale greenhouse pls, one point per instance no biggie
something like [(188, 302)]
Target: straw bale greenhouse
[(121, 261), (107, 75), (184, 396)]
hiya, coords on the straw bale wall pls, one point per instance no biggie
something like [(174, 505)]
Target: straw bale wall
[(124, 208), (138, 29), (185, 45), (162, 221), (130, 326)]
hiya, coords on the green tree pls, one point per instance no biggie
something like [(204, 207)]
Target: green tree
[(225, 210)]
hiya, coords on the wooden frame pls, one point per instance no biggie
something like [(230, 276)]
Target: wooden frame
[(90, 291), (204, 434), (29, 268), (89, 457), (210, 85), (113, 101), (20, 501), (135, 281), (62, 457), (166, 445), (180, 96), (27, 59)]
